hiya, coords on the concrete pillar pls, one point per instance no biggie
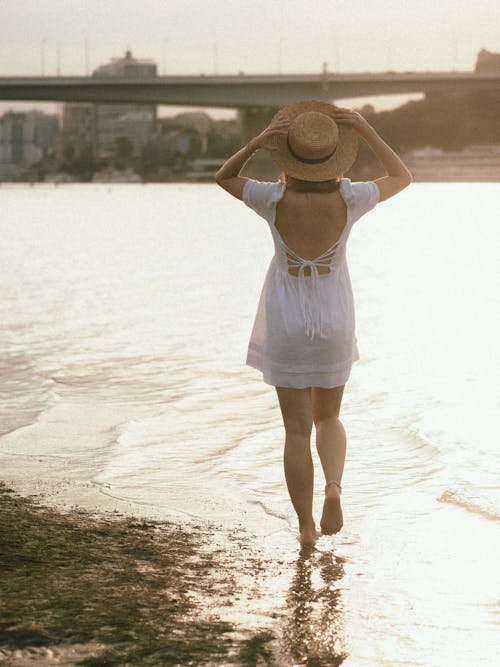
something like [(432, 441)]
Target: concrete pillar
[(252, 121)]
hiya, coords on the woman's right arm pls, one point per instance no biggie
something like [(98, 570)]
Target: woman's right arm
[(398, 175)]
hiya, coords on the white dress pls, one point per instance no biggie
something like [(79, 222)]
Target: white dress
[(304, 330)]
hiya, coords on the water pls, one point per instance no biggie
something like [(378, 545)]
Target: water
[(126, 311)]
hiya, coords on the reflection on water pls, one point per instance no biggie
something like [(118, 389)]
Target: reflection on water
[(287, 608), (313, 633)]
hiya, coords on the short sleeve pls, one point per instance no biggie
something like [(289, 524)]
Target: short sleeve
[(262, 197), (361, 197)]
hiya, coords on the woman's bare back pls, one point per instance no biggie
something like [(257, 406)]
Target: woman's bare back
[(310, 222)]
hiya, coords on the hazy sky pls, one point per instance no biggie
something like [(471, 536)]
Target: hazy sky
[(228, 36)]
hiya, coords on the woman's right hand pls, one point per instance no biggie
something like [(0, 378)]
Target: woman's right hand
[(353, 119), (398, 175)]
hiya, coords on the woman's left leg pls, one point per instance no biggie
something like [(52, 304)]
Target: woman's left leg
[(296, 409)]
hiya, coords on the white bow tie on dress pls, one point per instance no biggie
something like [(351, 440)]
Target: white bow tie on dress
[(309, 297)]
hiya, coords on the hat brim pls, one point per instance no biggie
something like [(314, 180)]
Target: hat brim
[(335, 166)]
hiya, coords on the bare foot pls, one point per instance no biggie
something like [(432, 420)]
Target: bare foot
[(308, 536), (332, 519)]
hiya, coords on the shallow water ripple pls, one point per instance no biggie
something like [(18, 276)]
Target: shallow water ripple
[(124, 331)]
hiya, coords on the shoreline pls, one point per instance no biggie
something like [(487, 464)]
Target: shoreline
[(82, 588), (103, 587)]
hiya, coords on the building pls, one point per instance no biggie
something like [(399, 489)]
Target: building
[(123, 123), (77, 137), (27, 137), (487, 61), (196, 120)]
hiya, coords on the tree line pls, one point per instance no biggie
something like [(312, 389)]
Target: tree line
[(439, 120)]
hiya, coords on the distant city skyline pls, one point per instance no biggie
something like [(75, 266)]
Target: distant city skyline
[(73, 37)]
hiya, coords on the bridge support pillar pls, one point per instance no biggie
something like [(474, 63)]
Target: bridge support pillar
[(252, 121)]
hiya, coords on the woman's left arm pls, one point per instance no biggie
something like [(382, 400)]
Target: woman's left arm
[(228, 175)]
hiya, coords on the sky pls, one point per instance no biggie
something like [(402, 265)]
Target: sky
[(74, 37)]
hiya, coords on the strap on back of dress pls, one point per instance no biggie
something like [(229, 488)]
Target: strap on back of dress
[(309, 297)]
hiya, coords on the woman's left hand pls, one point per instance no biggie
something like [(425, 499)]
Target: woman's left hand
[(228, 176)]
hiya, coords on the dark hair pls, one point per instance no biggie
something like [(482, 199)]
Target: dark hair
[(297, 185)]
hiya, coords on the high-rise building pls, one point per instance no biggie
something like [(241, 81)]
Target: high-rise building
[(132, 124), (26, 137)]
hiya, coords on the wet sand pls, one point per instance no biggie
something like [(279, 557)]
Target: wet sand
[(81, 588), (110, 590)]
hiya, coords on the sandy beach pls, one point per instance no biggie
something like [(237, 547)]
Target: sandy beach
[(80, 588), (91, 580)]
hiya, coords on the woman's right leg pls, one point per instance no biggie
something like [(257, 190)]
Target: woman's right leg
[(296, 410), (331, 446)]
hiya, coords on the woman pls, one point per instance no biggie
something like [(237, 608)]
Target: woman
[(303, 340)]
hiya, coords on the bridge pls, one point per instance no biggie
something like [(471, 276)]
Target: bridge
[(255, 96), (239, 91)]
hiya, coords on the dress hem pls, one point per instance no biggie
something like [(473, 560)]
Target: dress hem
[(327, 380)]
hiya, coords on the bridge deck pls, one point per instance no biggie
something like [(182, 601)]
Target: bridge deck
[(240, 91)]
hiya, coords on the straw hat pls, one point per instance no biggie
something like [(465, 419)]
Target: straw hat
[(315, 148)]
